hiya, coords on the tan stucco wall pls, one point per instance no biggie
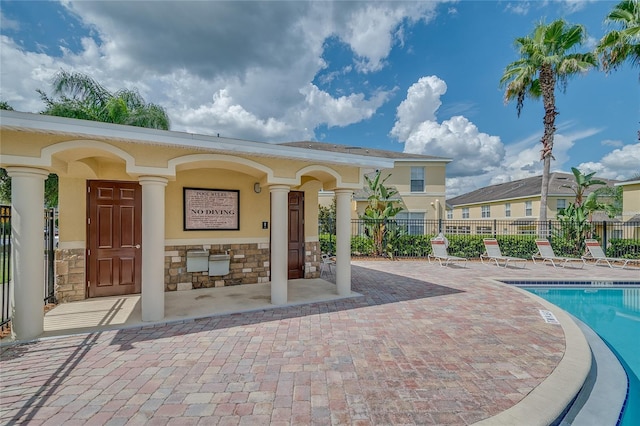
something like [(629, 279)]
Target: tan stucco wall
[(252, 211), (311, 189), (497, 209), (72, 202), (630, 201)]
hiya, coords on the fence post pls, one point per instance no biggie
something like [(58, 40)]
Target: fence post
[(495, 228), (439, 225), (5, 265), (50, 293), (604, 235)]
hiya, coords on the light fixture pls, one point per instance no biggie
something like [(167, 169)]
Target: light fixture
[(257, 188)]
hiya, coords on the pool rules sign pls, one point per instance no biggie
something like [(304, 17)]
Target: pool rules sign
[(211, 209)]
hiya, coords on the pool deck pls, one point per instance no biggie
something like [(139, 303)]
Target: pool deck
[(415, 344)]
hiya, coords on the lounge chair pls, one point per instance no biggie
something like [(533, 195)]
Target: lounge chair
[(327, 262), (546, 254), (439, 253), (493, 253), (595, 252)]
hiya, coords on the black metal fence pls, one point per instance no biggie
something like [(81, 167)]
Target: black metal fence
[(411, 238), (50, 244), (5, 265)]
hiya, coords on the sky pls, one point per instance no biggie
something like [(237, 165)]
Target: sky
[(415, 77)]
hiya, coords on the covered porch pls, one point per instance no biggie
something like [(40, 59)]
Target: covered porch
[(124, 224), (118, 312)]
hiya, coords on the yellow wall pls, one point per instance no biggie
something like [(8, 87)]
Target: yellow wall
[(72, 202), (630, 201), (517, 208), (252, 211), (311, 189)]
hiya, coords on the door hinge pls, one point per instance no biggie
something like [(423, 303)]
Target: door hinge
[(88, 189), (89, 252), (88, 221)]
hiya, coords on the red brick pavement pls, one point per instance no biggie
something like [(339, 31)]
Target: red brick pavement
[(423, 345)]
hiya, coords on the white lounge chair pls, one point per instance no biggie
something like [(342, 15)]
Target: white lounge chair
[(326, 264), (595, 252), (546, 254), (439, 253), (493, 253)]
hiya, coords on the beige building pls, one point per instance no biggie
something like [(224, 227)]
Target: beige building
[(148, 211), (516, 200), (516, 205), (419, 180), (631, 204)]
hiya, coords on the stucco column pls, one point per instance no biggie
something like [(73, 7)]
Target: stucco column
[(152, 247), (279, 240), (27, 262), (343, 241)]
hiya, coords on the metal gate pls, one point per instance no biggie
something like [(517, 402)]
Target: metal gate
[(50, 245), (5, 264)]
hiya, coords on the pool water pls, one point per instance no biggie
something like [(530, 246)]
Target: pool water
[(615, 315)]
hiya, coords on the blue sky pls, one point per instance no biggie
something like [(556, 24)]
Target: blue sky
[(419, 77)]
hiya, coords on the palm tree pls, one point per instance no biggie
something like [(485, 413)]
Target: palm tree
[(618, 46), (84, 98), (582, 183), (545, 62)]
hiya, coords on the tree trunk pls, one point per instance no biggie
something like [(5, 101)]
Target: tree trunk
[(547, 86)]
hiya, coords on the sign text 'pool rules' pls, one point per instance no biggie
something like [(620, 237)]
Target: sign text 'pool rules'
[(211, 209)]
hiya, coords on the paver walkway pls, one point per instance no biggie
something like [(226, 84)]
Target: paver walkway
[(423, 345)]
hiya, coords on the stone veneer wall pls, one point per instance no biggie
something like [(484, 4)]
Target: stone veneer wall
[(249, 265), (312, 260), (70, 278)]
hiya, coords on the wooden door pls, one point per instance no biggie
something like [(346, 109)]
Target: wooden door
[(114, 234), (296, 235)]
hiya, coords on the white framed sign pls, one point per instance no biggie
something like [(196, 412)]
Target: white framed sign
[(211, 209)]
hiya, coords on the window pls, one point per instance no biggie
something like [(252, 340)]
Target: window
[(561, 204), (450, 229), (450, 214), (484, 230), (486, 211), (507, 209), (417, 179), (465, 212), (528, 208), (413, 223)]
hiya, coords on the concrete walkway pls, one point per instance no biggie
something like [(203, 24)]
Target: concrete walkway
[(420, 344)]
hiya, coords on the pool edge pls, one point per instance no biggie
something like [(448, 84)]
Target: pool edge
[(548, 401)]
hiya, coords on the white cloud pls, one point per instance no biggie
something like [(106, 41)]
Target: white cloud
[(371, 31), (619, 164), (575, 5), (8, 24), (518, 8), (421, 104), (522, 160), (457, 138), (258, 59), (471, 150), (610, 142)]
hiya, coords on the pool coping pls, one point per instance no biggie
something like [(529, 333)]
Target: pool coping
[(604, 394), (598, 399), (549, 400)]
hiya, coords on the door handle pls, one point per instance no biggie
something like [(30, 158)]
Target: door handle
[(137, 246)]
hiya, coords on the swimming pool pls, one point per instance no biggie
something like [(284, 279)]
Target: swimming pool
[(611, 309)]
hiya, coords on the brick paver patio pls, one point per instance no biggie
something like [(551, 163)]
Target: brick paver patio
[(423, 345)]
